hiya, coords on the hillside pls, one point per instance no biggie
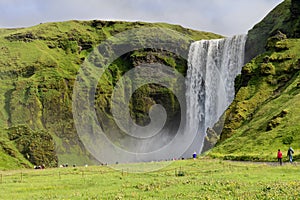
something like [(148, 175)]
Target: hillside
[(284, 18), (265, 114), (38, 67)]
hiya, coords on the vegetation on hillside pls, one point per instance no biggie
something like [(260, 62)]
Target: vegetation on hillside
[(38, 68), (284, 18), (264, 116), (39, 65)]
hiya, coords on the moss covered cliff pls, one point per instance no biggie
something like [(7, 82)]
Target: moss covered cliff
[(38, 67), (264, 116), (265, 113), (284, 18)]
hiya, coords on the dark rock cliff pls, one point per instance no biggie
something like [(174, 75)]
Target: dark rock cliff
[(284, 18)]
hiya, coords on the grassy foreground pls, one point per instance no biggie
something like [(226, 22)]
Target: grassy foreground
[(201, 179)]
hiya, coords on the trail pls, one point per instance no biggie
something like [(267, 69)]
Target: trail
[(265, 163)]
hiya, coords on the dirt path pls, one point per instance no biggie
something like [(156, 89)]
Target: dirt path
[(266, 163)]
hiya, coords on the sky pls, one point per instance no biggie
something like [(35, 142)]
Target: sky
[(225, 17)]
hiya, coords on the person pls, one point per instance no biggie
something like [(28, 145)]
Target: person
[(279, 156), (195, 155), (290, 154)]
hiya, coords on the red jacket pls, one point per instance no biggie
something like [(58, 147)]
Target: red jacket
[(279, 154)]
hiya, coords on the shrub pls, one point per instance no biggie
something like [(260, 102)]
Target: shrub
[(36, 146), (267, 69), (288, 140)]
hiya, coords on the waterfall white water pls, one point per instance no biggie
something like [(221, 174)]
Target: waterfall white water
[(212, 68)]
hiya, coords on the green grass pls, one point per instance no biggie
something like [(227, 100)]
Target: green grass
[(264, 116), (39, 65), (202, 179)]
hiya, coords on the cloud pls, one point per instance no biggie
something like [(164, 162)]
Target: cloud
[(225, 17)]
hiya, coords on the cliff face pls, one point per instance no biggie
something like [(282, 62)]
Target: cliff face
[(39, 65), (265, 113), (38, 68), (284, 18)]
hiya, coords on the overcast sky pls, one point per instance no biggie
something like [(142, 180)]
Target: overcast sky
[(226, 17)]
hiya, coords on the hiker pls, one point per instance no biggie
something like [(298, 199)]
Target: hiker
[(290, 154), (195, 155), (279, 156)]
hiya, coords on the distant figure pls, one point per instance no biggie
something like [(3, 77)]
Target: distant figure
[(39, 167), (195, 155), (290, 154), (279, 156)]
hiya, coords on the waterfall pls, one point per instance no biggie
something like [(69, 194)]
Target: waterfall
[(212, 68)]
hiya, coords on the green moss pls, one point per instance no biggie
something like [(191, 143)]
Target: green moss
[(267, 69), (280, 19), (38, 68), (10, 157), (36, 146), (265, 113)]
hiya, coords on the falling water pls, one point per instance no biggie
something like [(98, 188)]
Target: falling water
[(212, 68)]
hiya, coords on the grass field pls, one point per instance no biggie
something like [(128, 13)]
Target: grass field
[(187, 179)]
